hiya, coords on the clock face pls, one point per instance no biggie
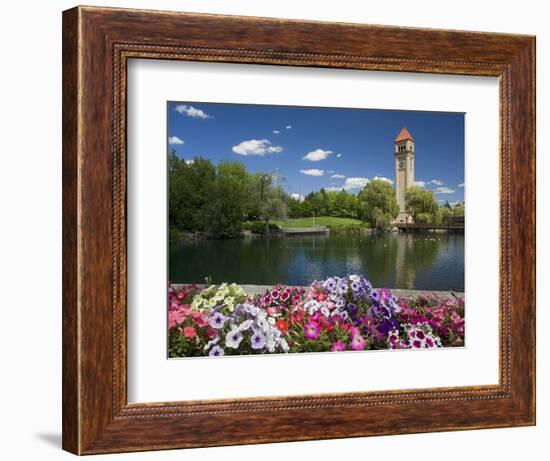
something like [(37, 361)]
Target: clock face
[(402, 164)]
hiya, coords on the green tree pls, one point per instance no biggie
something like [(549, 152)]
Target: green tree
[(422, 205), (458, 210), (188, 186), (227, 201), (446, 213), (378, 205)]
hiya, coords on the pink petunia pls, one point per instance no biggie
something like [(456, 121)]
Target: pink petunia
[(311, 330), (189, 332), (358, 343), (338, 346)]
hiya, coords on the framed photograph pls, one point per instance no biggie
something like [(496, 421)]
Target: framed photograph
[(281, 230)]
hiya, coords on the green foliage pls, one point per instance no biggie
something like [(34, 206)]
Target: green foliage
[(458, 210), (217, 200), (257, 227), (447, 211), (422, 205), (340, 204), (378, 204), (227, 201), (173, 234), (188, 187)]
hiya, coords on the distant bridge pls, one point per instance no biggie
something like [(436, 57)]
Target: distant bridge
[(455, 226)]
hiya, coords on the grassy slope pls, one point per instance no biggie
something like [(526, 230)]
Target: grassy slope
[(328, 221)]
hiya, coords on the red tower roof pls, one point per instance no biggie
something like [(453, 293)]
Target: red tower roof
[(404, 135)]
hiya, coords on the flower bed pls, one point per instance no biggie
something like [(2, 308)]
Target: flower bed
[(336, 314)]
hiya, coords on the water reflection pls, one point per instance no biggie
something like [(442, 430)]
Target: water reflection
[(408, 261)]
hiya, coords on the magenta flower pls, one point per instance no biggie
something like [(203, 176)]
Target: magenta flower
[(338, 346), (358, 343), (275, 294), (311, 330)]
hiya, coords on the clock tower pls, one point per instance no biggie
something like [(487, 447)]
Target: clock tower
[(404, 172)]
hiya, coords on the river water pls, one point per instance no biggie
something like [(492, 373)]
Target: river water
[(430, 261)]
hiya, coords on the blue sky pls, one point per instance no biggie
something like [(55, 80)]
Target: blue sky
[(312, 147)]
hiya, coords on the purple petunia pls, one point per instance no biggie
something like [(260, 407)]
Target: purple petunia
[(233, 338), (217, 320), (216, 351), (257, 340), (330, 284)]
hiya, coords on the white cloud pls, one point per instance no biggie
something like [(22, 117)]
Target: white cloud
[(355, 183), (288, 127), (313, 172), (444, 190), (276, 131), (317, 154), (420, 183), (191, 111), (334, 189), (256, 147), (383, 178), (338, 176), (173, 140), (189, 162), (461, 185), (436, 182), (298, 197), (338, 155)]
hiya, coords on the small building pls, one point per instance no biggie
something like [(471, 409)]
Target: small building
[(404, 172)]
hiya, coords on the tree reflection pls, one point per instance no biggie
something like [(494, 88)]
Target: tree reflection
[(396, 260)]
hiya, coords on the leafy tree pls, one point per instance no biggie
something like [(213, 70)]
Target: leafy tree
[(227, 200), (378, 205), (458, 210), (422, 205), (446, 213), (188, 186)]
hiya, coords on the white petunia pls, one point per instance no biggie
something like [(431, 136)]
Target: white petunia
[(211, 343), (245, 325)]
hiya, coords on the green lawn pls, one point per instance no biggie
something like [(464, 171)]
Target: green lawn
[(327, 221)]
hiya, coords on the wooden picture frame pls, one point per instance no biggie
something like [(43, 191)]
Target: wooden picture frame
[(97, 43)]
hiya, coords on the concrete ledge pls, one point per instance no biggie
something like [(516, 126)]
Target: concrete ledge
[(304, 230), (261, 289)]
